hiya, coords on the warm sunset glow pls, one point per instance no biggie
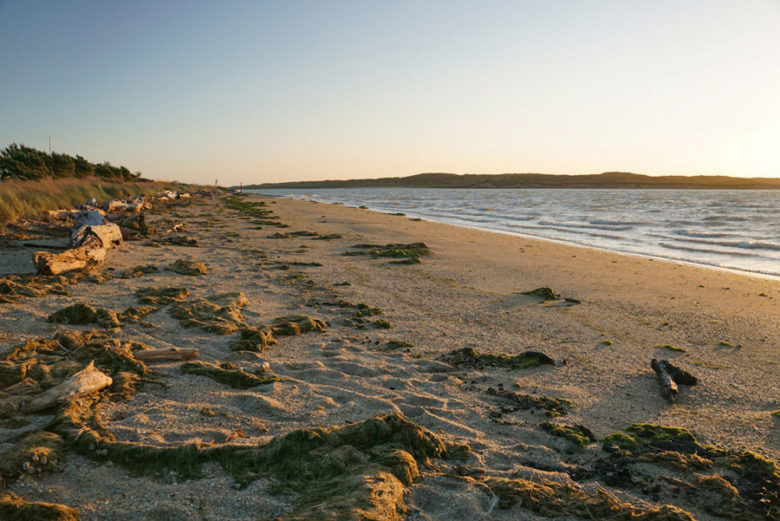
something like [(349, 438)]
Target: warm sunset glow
[(279, 91)]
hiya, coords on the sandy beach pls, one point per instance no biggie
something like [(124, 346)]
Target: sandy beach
[(387, 349)]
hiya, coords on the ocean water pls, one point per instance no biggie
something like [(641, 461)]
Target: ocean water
[(732, 229)]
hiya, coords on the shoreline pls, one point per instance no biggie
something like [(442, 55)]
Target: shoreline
[(737, 271), (387, 349)]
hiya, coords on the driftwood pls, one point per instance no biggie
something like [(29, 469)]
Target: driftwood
[(90, 253), (670, 377), (109, 234), (88, 218), (169, 354), (84, 382), (90, 245)]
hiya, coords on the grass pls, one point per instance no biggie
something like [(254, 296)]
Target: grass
[(28, 199)]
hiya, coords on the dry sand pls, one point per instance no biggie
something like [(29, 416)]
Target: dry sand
[(466, 294)]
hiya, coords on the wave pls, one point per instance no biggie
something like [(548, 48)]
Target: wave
[(584, 226), (702, 235), (705, 250)]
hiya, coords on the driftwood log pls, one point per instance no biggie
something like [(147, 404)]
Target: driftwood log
[(86, 381), (169, 354), (670, 377), (90, 245)]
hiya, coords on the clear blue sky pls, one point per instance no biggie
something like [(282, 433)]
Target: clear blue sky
[(271, 91)]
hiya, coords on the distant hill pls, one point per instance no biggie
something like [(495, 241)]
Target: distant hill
[(605, 180)]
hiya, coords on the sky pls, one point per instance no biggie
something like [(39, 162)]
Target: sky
[(262, 91)]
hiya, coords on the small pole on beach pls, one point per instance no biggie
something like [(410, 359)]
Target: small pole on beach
[(49, 145)]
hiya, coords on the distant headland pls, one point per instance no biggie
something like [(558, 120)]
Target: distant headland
[(604, 180)]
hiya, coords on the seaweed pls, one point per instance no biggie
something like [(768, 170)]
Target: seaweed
[(290, 235), (219, 314), (413, 250), (17, 287), (35, 453), (650, 433), (751, 492), (328, 237), (552, 407), (176, 240), (392, 345), (162, 296), (139, 271), (383, 324), (357, 471), (186, 267), (410, 260), (228, 374), (14, 508), (620, 440), (82, 314), (255, 339), (470, 357), (543, 293), (291, 325), (552, 499), (577, 434)]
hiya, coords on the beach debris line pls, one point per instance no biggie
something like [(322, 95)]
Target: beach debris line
[(670, 377), (470, 357)]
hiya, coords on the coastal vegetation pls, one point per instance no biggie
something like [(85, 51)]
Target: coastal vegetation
[(604, 180)]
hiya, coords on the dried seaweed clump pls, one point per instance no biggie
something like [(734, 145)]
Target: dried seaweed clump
[(552, 407), (470, 357), (357, 471), (219, 314), (543, 293), (255, 339), (36, 452), (737, 485), (14, 508), (161, 296), (551, 499), (139, 271), (17, 287), (296, 325), (228, 374), (579, 435), (290, 235), (176, 239), (83, 314), (185, 267), (413, 250)]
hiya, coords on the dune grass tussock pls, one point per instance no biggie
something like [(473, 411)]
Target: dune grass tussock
[(28, 199)]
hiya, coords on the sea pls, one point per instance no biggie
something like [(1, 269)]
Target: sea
[(729, 229)]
